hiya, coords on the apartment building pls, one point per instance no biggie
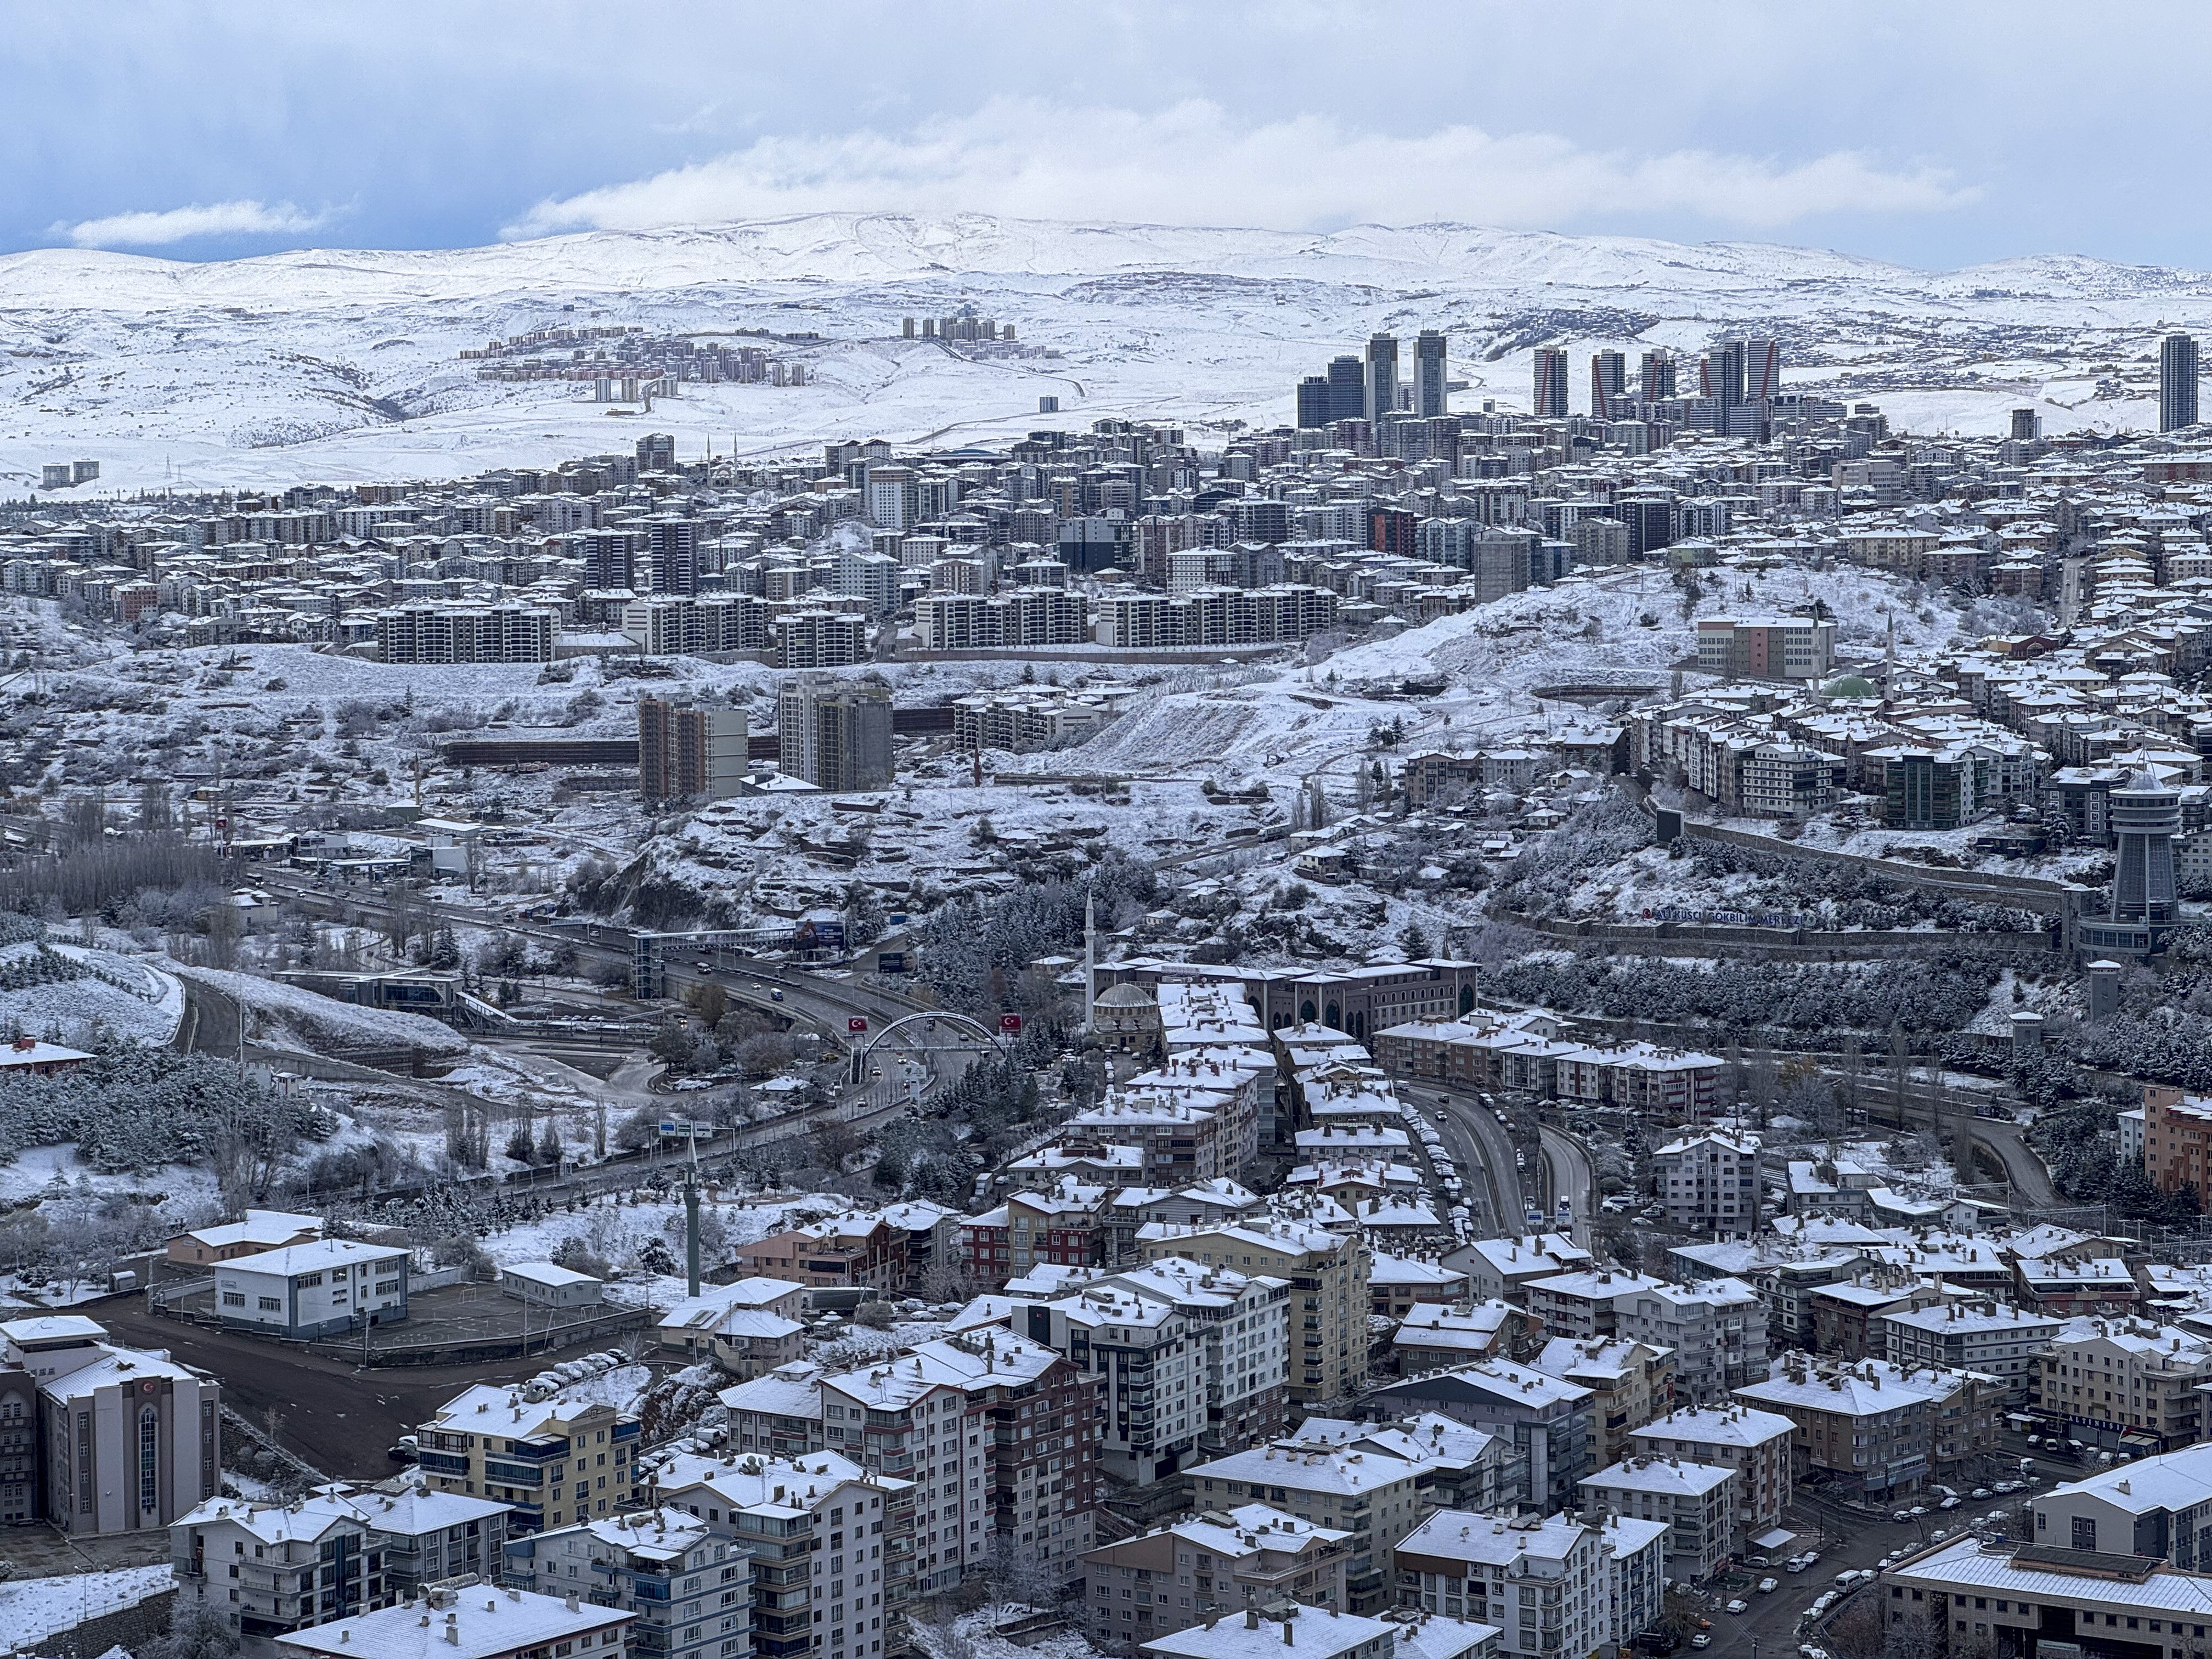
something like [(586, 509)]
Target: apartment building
[(1215, 616), (1696, 1501), (1711, 1182), (269, 1569), (1766, 648), (2176, 1131), (1545, 1419), (1879, 1429), (127, 1440), (831, 1548), (1234, 1339), (1997, 1340), (476, 1623), (1755, 1445), (1181, 1142), (1373, 1500), (2159, 1507), (1581, 1306), (834, 733), (690, 1587), (1337, 1636), (778, 1414), (1327, 1272), (427, 1536), (551, 1462), (1215, 1563), (1499, 1269), (1026, 618), (997, 1431), (464, 633), (838, 1252), (1628, 1384), (1433, 1336), (2123, 1381), (1542, 1582), (1716, 1328), (1064, 1225)]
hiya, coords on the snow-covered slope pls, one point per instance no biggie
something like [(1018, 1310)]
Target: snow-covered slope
[(344, 364)]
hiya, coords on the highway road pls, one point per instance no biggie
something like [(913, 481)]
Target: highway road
[(1478, 1143)]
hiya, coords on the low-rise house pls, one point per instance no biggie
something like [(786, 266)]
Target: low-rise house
[(549, 1284), (256, 1231)]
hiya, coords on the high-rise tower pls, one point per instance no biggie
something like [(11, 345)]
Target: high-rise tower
[(2176, 382), (1382, 376), (1608, 382), (1657, 380), (1429, 359), (1549, 402)]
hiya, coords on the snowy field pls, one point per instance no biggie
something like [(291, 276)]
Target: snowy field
[(340, 365), (32, 1609)]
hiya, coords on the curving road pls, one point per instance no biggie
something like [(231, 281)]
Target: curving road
[(1569, 1173)]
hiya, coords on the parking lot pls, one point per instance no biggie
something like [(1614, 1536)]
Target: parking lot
[(335, 1415)]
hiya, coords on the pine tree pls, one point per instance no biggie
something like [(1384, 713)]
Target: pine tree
[(549, 1146), (520, 1146)]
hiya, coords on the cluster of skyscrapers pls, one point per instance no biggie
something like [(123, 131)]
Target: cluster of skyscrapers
[(1737, 381), (1367, 387)]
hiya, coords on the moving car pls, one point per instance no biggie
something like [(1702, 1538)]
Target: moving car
[(1766, 1586), (1701, 1640), (1736, 1606)]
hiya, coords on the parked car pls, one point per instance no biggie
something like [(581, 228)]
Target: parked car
[(1981, 1494), (1701, 1640)]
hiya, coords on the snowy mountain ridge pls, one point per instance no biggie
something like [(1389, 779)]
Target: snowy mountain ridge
[(882, 246), (332, 365)]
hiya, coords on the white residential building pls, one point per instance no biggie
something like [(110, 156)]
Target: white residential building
[(1696, 1500), (1543, 1583), (1754, 1444), (1987, 1337), (1709, 1182), (1717, 1327)]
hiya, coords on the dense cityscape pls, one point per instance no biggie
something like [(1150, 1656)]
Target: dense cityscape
[(1459, 1032)]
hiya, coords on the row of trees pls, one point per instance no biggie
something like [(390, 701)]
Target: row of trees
[(1815, 1000), (977, 954)]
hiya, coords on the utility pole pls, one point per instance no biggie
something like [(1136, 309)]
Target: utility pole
[(691, 1217)]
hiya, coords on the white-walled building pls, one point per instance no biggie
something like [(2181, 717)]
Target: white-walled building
[(1709, 1182), (327, 1288)]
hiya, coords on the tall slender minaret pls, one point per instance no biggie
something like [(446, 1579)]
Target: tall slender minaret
[(1889, 658), (1089, 959)]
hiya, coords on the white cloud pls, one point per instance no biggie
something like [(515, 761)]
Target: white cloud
[(1193, 164), (181, 224)]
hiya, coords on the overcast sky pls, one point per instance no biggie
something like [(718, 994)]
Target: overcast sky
[(1936, 136)]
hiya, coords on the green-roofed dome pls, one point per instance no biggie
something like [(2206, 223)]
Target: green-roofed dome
[(1848, 685)]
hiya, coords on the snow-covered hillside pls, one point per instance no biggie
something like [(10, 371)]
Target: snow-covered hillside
[(337, 365)]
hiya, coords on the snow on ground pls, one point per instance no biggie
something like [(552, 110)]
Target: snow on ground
[(32, 1609), (973, 1637), (617, 1232), (122, 996), (336, 365), (621, 1388), (38, 1169), (287, 1014)]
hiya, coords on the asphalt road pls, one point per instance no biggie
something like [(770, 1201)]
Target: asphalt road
[(1569, 1173), (338, 1417), (1485, 1153)]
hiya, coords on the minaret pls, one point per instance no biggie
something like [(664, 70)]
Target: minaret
[(1090, 961), (1889, 657)]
